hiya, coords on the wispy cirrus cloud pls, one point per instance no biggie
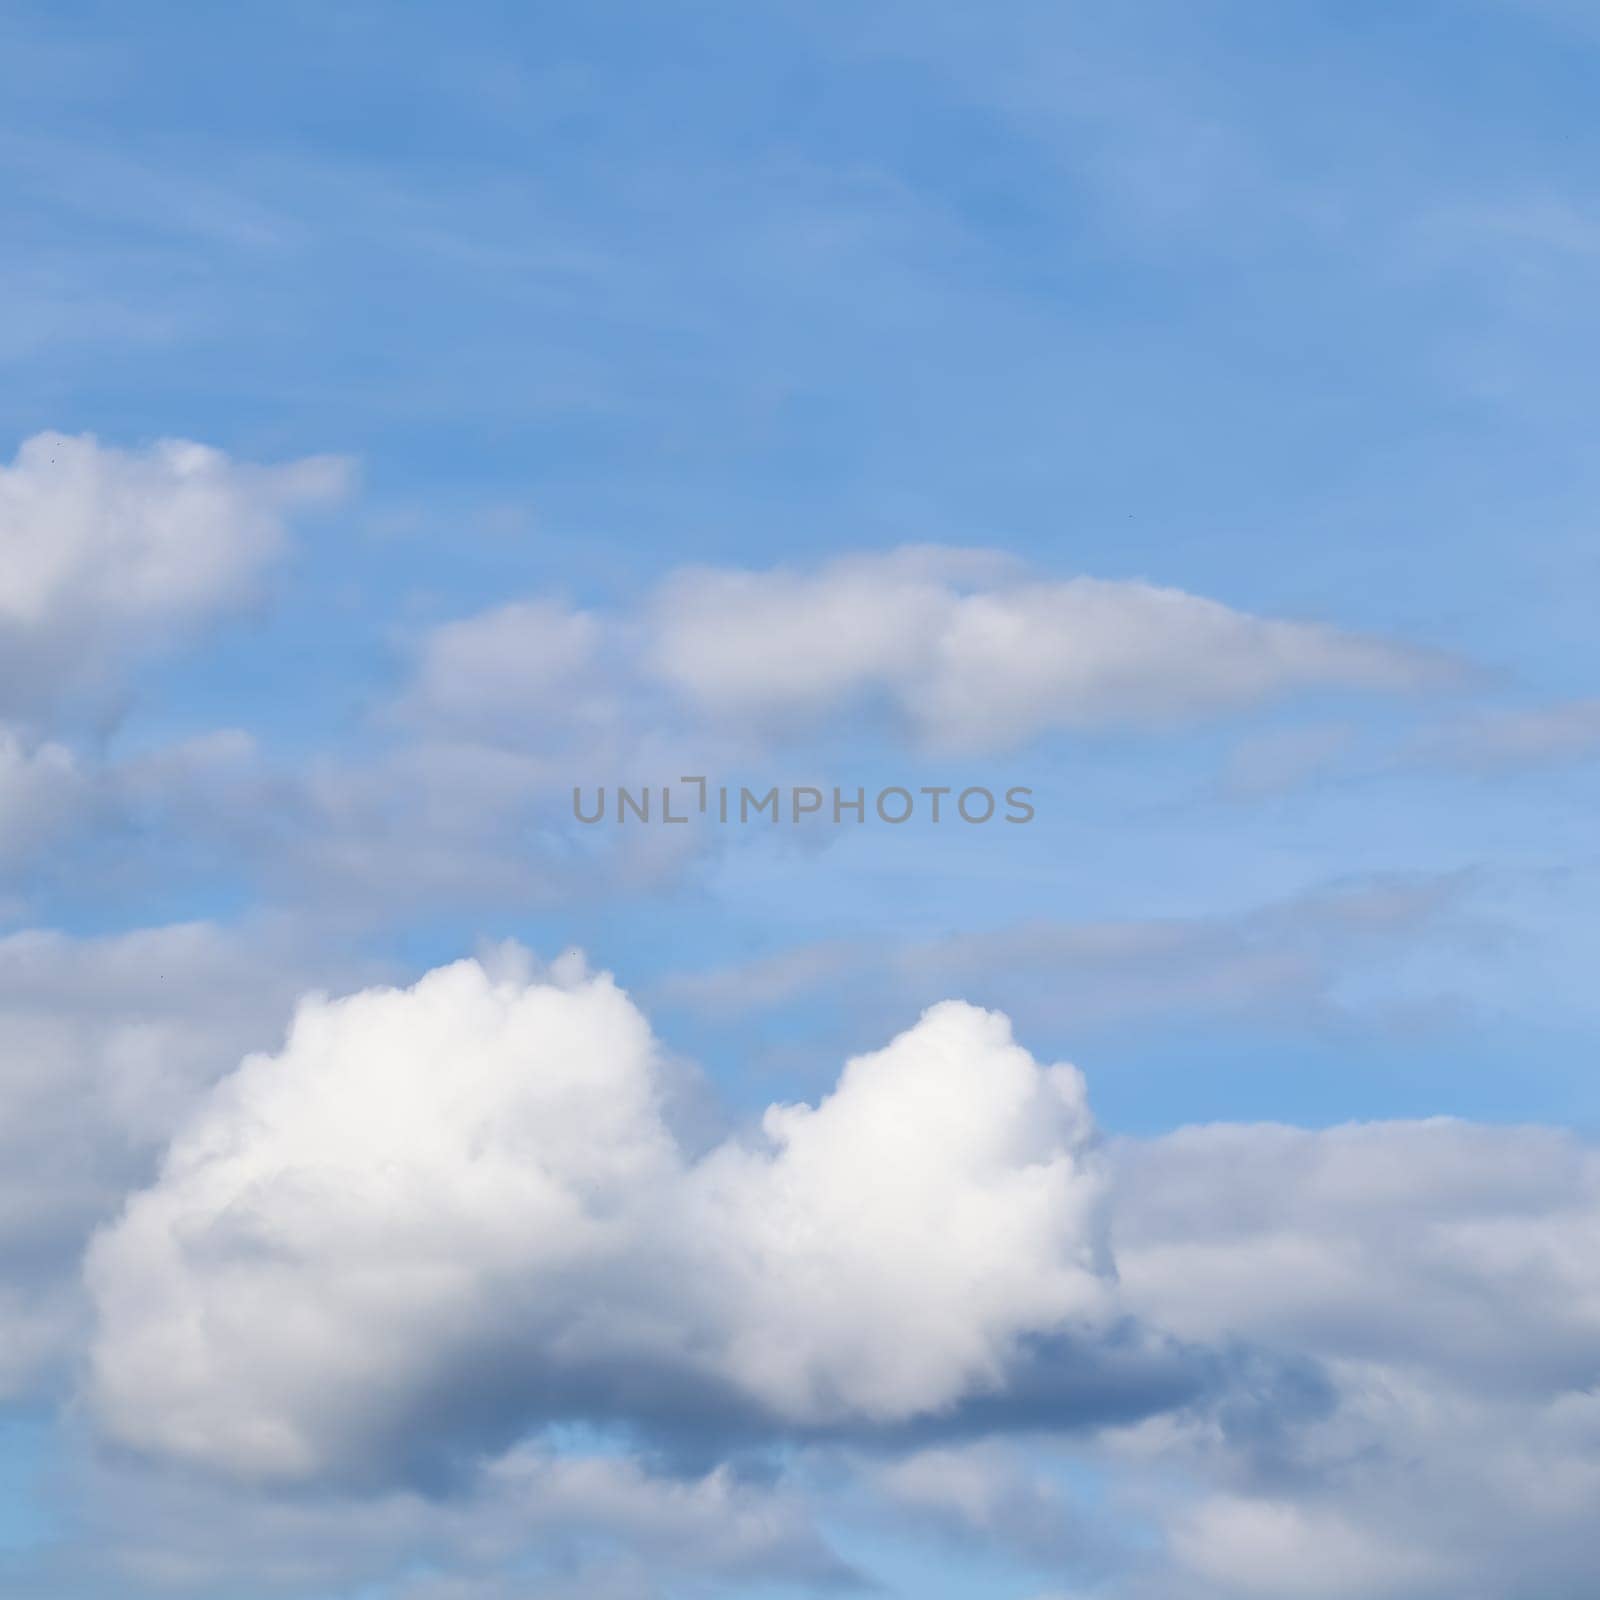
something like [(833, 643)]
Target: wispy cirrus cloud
[(1284, 960), (1511, 739)]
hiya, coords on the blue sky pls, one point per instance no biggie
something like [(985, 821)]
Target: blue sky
[(649, 367)]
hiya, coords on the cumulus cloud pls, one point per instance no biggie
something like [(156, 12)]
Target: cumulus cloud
[(105, 554), (1290, 1234), (965, 649), (893, 1243), (511, 663), (985, 660), (446, 1213), (1444, 1277), (104, 1045)]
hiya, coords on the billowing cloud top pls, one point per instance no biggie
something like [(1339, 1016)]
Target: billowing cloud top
[(446, 1212)]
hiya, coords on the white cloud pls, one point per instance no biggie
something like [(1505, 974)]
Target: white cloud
[(466, 798), (444, 1217), (1290, 1236), (104, 1045), (894, 1241), (781, 641), (1443, 1279), (965, 649), (471, 1183), (105, 554), (509, 663), (987, 657), (1286, 1551)]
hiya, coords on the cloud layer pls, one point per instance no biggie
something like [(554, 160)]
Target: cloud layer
[(1444, 1278), (443, 1259)]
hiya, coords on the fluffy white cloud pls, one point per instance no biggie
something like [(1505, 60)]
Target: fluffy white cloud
[(106, 553), (449, 1210), (884, 1250)]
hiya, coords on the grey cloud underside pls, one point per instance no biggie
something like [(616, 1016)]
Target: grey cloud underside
[(684, 1423), (530, 1523)]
